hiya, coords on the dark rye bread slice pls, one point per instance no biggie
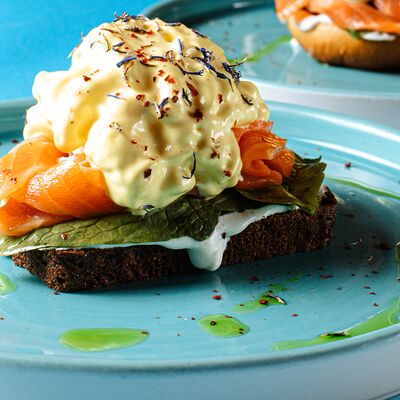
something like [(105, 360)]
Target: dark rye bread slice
[(78, 269)]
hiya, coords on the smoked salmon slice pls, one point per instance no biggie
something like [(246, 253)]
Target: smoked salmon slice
[(356, 16), (350, 15), (26, 159), (69, 188), (41, 186), (17, 218), (391, 8), (265, 158)]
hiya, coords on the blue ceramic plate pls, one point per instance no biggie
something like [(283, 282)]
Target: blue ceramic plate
[(329, 290)]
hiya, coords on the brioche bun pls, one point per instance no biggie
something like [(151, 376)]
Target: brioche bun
[(333, 45)]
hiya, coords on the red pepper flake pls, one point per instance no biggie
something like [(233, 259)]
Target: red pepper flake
[(161, 72), (64, 236), (295, 315), (133, 35), (227, 172), (197, 114), (137, 81), (147, 173), (220, 98), (154, 78), (217, 297), (373, 293), (152, 158), (367, 287), (140, 96), (150, 32), (263, 302), (146, 103), (56, 292), (170, 80), (174, 99), (86, 78), (118, 94), (376, 305), (175, 91), (347, 165), (214, 154), (215, 290), (133, 141), (14, 141), (192, 89)]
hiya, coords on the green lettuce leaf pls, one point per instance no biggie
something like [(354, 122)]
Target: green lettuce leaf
[(188, 216), (300, 189)]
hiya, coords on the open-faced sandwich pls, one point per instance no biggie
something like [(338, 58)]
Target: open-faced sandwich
[(353, 33), (150, 156)]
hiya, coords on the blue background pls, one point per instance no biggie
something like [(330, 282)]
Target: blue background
[(38, 35)]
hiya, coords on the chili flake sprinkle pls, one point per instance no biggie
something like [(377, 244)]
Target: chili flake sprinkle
[(140, 96), (227, 173), (169, 79), (147, 173), (86, 78), (220, 98), (192, 89), (217, 297)]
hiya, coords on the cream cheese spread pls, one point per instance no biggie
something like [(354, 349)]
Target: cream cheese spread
[(152, 105)]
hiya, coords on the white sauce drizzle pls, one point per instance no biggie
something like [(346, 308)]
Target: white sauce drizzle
[(309, 23), (377, 36)]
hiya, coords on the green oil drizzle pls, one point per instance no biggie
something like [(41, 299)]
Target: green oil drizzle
[(6, 286), (222, 325), (102, 339), (388, 317), (261, 302), (267, 49), (369, 189)]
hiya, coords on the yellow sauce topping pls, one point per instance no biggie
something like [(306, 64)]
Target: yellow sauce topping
[(152, 105)]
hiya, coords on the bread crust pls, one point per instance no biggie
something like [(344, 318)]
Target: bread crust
[(333, 45), (279, 234)]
